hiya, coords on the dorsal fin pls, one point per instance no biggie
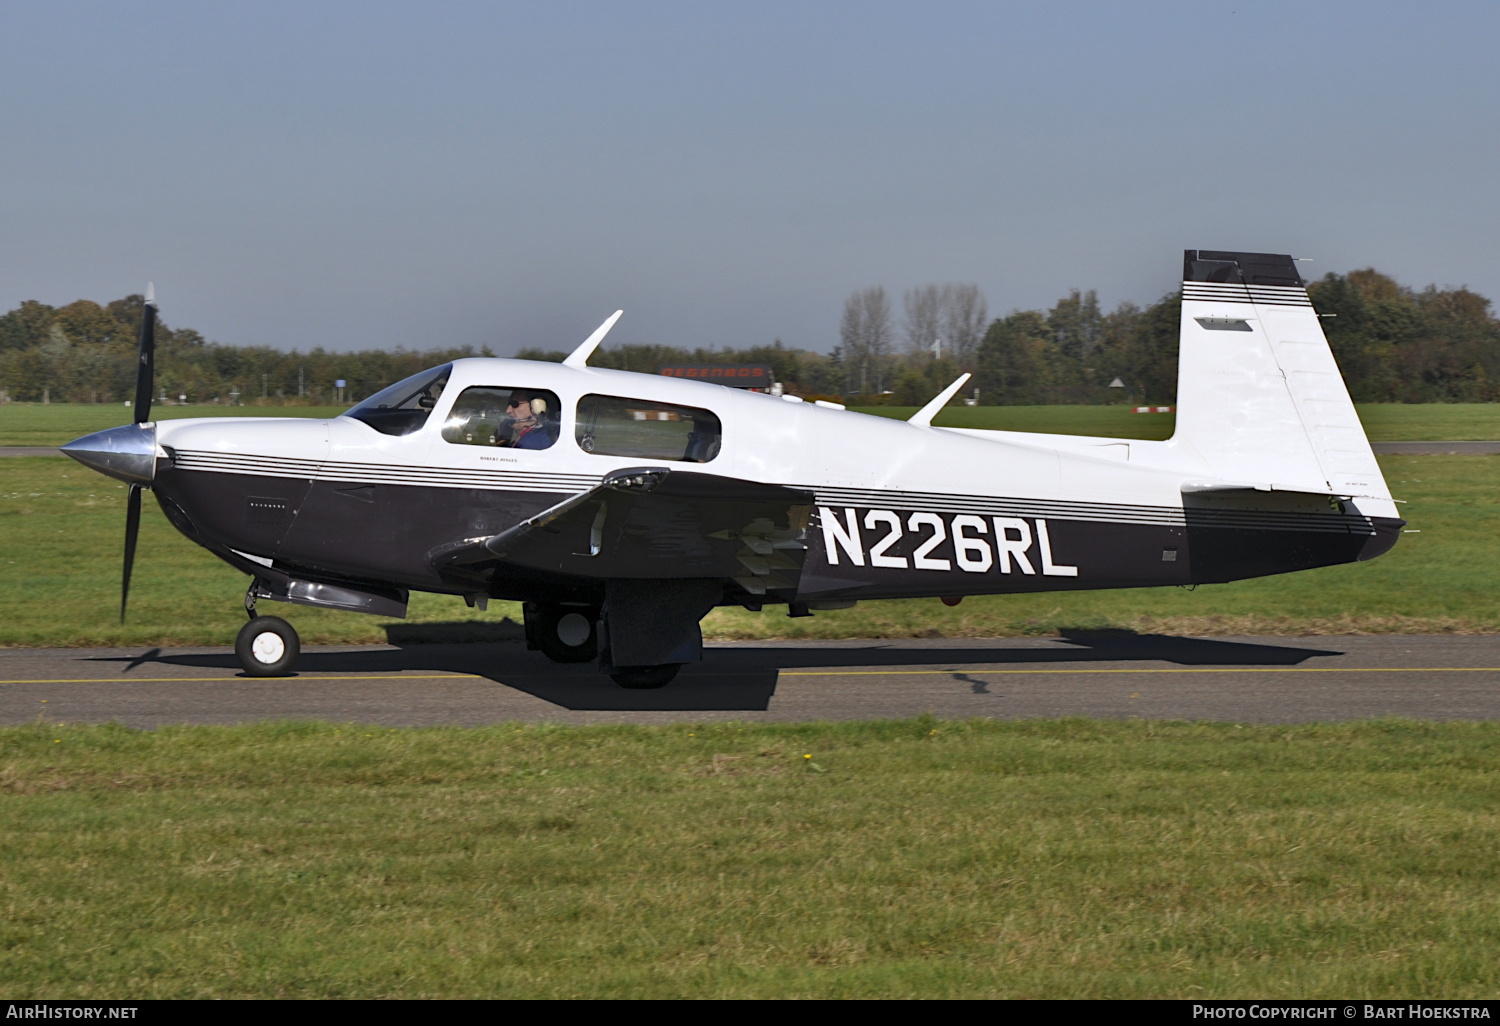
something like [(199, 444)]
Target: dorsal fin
[(580, 356), (923, 417)]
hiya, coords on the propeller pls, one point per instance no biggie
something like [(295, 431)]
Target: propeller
[(132, 527), (145, 381), (145, 371)]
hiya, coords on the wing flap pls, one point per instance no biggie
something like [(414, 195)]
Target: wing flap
[(652, 523)]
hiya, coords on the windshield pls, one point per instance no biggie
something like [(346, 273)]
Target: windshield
[(403, 407)]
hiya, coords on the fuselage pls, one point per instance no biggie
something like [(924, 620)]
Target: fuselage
[(901, 509)]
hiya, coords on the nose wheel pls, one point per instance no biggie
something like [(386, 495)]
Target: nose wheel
[(267, 646)]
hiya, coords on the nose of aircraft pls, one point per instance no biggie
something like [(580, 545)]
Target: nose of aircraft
[(127, 453)]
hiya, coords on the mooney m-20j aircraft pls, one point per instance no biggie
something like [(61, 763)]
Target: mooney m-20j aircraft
[(620, 507)]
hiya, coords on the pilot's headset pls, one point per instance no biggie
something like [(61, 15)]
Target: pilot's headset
[(539, 407)]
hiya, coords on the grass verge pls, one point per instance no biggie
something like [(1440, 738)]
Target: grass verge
[(913, 858), (61, 530), (56, 423)]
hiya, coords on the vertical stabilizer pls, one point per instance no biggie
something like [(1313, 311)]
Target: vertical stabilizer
[(1259, 396)]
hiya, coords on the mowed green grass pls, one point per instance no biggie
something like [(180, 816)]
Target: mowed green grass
[(31, 424), (56, 423), (909, 859), (61, 532)]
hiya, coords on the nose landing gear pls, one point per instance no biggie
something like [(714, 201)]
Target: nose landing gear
[(267, 646)]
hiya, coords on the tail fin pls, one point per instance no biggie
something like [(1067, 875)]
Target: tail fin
[(1259, 396)]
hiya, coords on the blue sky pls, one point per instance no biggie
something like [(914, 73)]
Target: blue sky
[(360, 175)]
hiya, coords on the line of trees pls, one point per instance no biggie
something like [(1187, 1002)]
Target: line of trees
[(1393, 344), (84, 352)]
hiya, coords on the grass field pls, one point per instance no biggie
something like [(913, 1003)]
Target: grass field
[(54, 424), (905, 859), (915, 858), (28, 424), (61, 530)]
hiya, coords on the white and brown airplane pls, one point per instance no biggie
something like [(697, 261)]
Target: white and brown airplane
[(621, 507)]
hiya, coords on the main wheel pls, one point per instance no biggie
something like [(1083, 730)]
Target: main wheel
[(267, 647), (642, 678), (565, 634)]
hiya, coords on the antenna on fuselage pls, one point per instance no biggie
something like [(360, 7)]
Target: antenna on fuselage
[(923, 417), (580, 356)]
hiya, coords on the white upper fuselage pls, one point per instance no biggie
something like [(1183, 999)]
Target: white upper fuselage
[(765, 439)]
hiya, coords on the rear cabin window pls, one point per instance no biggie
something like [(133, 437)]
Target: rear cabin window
[(511, 418), (403, 407), (609, 425)]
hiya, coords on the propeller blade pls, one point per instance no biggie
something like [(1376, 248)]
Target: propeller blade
[(132, 528), (145, 371)]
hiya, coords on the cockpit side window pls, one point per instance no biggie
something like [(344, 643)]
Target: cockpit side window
[(514, 418), (404, 407), (640, 428)]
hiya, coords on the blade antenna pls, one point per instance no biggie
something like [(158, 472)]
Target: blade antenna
[(580, 356), (145, 370), (132, 528), (923, 417)]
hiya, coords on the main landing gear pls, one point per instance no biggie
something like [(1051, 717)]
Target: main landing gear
[(569, 633), (562, 633)]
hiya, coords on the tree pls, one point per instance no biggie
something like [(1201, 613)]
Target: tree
[(1140, 347), (865, 339), (26, 326), (965, 314), (923, 321), (954, 313), (1016, 361), (1076, 324), (1394, 344)]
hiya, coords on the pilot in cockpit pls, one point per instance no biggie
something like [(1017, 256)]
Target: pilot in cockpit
[(526, 414)]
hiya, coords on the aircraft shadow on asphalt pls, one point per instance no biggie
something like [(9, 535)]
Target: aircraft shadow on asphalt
[(732, 679)]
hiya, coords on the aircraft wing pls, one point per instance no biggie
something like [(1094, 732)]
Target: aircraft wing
[(654, 523)]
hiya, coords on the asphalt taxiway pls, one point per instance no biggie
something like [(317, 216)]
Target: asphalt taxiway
[(1111, 675)]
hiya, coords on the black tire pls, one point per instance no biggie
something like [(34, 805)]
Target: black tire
[(644, 678), (564, 634), (267, 646)]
